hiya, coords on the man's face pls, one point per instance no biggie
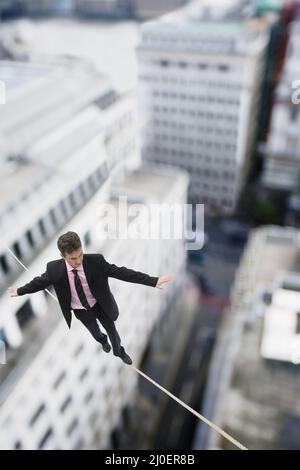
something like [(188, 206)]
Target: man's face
[(74, 258)]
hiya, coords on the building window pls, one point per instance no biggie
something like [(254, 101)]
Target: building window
[(78, 350), (99, 174), (45, 438), (16, 250), (87, 239), (91, 182), (24, 314), (37, 414), (42, 227), (82, 191), (298, 324), (88, 396), (79, 444), (83, 374), (223, 68), (53, 216), (63, 208), (65, 404), (30, 238), (164, 63), (115, 439), (18, 445), (93, 418), (293, 113), (72, 426), (59, 380), (72, 201)]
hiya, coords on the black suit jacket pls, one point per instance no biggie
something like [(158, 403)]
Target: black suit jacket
[(97, 271)]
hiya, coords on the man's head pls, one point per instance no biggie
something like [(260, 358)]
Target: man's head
[(69, 245)]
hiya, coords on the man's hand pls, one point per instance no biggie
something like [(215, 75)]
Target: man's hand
[(12, 291), (162, 281)]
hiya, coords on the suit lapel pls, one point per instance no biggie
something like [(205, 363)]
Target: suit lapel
[(88, 271), (63, 274)]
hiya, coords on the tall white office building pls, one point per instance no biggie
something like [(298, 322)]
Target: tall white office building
[(281, 172), (200, 71), (69, 145)]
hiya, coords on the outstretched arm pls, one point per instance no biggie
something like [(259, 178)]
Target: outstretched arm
[(37, 284), (129, 275)]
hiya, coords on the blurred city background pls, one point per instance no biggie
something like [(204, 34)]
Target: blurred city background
[(162, 101)]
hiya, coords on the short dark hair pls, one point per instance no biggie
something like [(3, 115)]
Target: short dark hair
[(68, 242)]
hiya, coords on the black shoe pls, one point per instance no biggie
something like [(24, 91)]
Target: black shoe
[(125, 358), (106, 347)]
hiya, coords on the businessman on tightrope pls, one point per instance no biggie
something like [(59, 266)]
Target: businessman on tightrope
[(81, 284)]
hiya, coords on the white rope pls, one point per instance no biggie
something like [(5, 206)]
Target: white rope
[(187, 407), (191, 410)]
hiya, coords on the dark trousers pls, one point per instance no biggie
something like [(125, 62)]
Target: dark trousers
[(89, 319)]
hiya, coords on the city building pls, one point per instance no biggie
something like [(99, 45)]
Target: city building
[(252, 390), (68, 147), (200, 71), (281, 172)]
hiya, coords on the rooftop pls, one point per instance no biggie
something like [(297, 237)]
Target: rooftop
[(19, 183), (263, 396), (17, 75), (280, 335), (222, 30), (220, 27), (150, 182)]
